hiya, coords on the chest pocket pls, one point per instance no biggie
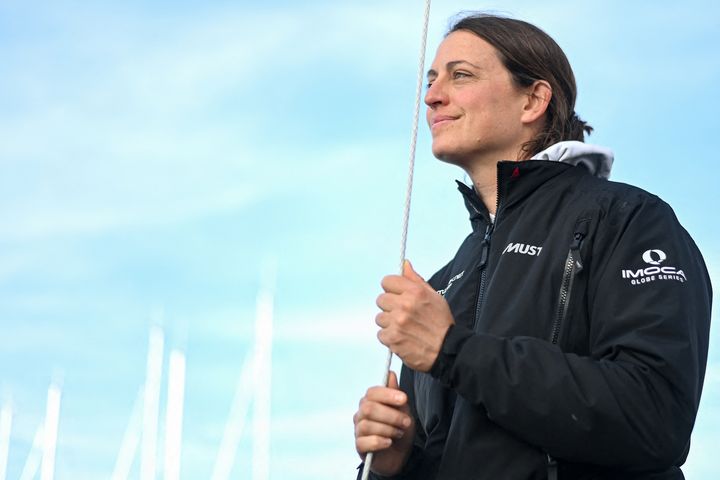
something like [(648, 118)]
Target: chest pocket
[(570, 324)]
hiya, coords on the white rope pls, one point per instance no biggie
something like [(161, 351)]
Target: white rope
[(408, 192)]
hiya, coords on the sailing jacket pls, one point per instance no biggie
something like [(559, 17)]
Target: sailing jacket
[(580, 340)]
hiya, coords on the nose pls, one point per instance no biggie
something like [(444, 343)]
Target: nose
[(436, 94)]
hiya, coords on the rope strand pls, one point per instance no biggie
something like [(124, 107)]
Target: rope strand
[(408, 191)]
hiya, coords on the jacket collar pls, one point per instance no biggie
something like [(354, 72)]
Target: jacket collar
[(516, 182), (479, 214), (598, 160)]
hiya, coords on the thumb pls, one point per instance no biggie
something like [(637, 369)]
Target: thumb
[(392, 380), (399, 400), (410, 273)]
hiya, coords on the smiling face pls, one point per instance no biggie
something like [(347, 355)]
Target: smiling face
[(476, 113)]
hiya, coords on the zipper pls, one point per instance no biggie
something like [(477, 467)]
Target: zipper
[(573, 265), (485, 253), (482, 264), (552, 467)]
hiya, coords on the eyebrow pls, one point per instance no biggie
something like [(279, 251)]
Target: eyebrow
[(451, 65)]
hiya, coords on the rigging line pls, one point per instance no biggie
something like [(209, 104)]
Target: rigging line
[(408, 193)]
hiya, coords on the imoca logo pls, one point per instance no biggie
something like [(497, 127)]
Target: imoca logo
[(654, 257)]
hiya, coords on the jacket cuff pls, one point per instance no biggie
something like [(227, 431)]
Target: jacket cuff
[(455, 338)]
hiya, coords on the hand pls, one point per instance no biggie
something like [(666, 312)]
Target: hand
[(414, 319), (384, 425)]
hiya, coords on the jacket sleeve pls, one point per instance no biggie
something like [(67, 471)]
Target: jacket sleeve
[(631, 403)]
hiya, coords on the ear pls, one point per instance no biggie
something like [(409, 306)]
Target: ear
[(538, 99)]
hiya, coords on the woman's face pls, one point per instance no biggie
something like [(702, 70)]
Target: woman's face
[(474, 108)]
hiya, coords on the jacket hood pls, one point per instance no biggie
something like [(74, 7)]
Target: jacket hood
[(598, 160)]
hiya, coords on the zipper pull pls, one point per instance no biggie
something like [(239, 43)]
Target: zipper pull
[(485, 247), (580, 232), (575, 247), (577, 240)]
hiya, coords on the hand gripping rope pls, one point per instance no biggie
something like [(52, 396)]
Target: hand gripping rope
[(408, 194)]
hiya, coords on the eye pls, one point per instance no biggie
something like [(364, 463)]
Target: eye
[(457, 74)]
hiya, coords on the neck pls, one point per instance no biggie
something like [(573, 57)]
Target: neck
[(485, 182), (483, 172)]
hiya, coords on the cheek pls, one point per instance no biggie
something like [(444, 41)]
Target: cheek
[(479, 102), (502, 109), (482, 111)]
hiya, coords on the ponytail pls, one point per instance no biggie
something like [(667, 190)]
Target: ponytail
[(578, 128)]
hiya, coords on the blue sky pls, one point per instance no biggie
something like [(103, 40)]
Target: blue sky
[(157, 157)]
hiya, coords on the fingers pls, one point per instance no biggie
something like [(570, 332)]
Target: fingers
[(373, 443), (396, 284), (383, 422), (381, 418), (372, 414), (387, 301), (390, 301), (384, 405), (382, 320), (368, 428), (372, 435), (391, 396)]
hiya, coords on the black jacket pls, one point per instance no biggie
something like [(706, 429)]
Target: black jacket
[(581, 336)]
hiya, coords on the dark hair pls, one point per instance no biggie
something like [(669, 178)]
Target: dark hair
[(530, 54)]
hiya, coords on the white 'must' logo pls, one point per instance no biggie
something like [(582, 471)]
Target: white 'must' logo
[(522, 248)]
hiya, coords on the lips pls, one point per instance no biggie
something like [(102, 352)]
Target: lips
[(440, 120)]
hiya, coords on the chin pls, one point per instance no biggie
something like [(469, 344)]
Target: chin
[(447, 155)]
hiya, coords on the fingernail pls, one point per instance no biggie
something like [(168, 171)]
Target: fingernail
[(406, 421), (399, 397), (399, 434)]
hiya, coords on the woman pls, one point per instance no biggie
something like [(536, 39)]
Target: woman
[(568, 336)]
